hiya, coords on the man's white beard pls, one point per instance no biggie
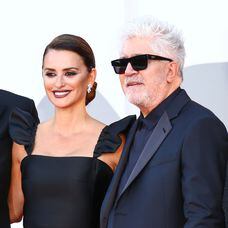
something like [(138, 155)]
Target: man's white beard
[(138, 99)]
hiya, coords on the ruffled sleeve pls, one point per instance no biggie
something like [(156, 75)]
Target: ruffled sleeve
[(109, 139), (22, 128)]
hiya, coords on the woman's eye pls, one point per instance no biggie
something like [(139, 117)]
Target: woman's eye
[(70, 73), (50, 74)]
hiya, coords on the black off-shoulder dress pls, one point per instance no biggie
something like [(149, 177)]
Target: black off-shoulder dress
[(64, 192)]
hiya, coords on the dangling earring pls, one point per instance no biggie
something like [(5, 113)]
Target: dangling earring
[(89, 88)]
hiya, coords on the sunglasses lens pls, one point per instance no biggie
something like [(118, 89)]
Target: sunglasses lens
[(119, 65), (139, 62)]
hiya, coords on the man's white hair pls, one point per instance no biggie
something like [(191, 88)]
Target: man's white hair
[(166, 40)]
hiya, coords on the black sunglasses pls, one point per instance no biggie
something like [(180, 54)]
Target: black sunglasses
[(138, 62)]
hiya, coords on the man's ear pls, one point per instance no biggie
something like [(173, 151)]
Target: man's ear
[(173, 70)]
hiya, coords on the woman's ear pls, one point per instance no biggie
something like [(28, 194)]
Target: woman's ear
[(91, 90), (92, 76)]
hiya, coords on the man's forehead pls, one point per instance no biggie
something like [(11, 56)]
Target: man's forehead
[(135, 47)]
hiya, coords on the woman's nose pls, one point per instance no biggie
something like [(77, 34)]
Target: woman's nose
[(60, 81)]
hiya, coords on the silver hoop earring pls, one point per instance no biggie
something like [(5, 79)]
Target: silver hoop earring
[(89, 88)]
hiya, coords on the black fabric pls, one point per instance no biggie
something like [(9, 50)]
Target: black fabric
[(23, 128), (64, 191), (225, 196), (8, 102), (111, 137)]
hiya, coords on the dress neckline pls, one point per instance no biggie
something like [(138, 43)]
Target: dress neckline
[(63, 157)]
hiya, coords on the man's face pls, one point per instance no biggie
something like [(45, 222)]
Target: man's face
[(144, 88)]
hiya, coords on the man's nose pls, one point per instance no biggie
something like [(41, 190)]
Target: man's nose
[(129, 70)]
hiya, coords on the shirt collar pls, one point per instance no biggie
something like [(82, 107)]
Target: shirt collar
[(152, 118)]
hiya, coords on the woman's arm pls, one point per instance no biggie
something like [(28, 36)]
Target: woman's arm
[(16, 197)]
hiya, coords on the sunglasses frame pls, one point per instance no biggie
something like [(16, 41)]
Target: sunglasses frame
[(123, 62)]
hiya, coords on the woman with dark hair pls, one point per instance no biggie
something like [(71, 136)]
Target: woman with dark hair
[(61, 168)]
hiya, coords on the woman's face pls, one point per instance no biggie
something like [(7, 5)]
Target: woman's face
[(66, 78)]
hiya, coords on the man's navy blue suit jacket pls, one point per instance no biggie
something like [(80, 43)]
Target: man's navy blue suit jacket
[(178, 180)]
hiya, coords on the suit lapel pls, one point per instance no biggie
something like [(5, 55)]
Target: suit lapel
[(112, 190), (159, 133)]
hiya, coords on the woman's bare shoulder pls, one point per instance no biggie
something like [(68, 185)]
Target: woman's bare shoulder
[(98, 125)]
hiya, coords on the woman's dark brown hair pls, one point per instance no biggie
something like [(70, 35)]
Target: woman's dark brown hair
[(78, 45)]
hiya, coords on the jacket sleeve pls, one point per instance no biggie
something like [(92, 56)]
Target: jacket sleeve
[(33, 111), (204, 156)]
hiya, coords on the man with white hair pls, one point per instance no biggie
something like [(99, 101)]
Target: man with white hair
[(172, 169)]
